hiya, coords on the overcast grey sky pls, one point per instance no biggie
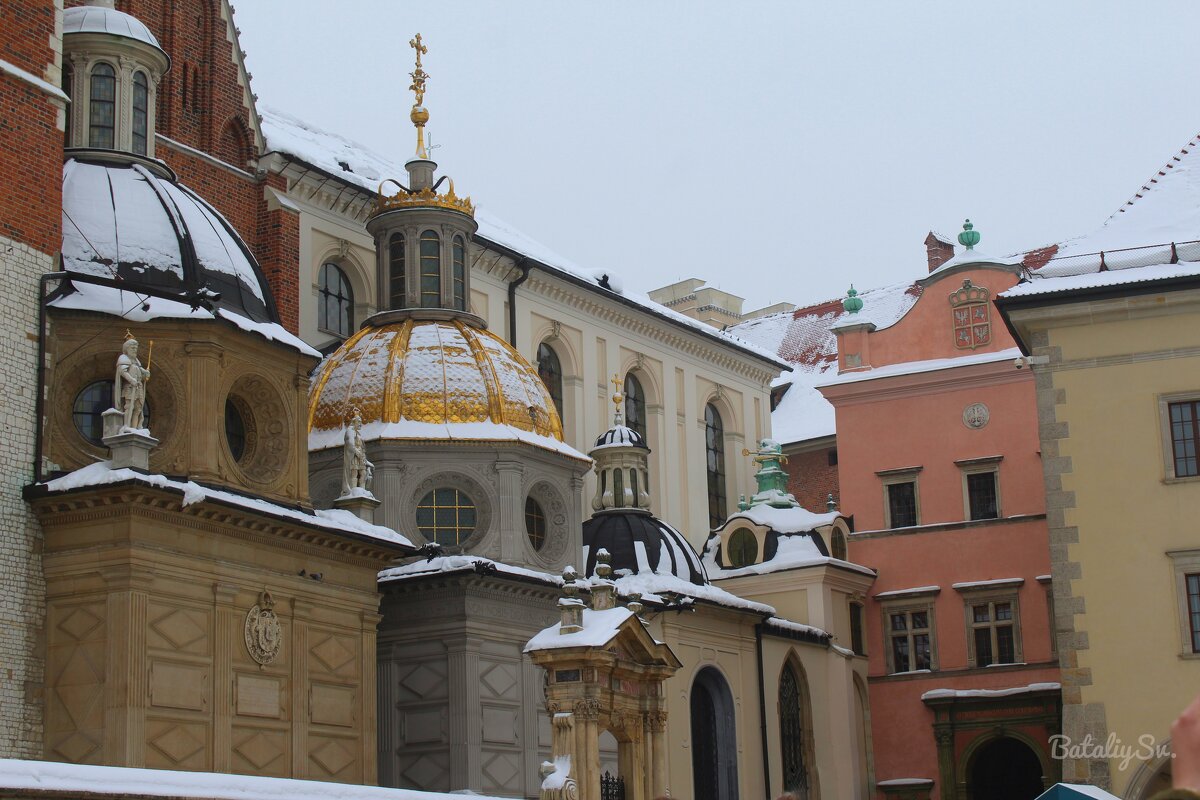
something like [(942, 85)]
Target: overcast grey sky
[(779, 150)]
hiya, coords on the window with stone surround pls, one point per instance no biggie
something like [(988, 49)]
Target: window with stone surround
[(1179, 429), (102, 119), (981, 487), (909, 636), (993, 621), (550, 371), (857, 625), (1186, 566), (901, 497), (335, 301)]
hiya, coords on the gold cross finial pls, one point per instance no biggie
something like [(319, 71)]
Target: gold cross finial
[(419, 115), (617, 398), (421, 49)]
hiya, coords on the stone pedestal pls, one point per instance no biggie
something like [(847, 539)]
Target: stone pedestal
[(362, 505), (129, 449)]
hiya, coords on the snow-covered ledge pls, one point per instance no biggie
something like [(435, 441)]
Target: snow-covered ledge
[(50, 778)]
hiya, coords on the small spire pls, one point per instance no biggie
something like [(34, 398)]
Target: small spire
[(853, 303), (618, 399), (419, 115), (969, 236)]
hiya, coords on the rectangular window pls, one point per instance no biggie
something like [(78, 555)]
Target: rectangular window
[(993, 626), (982, 497), (902, 504), (1186, 566), (1185, 437), (910, 640), (1193, 604), (857, 644)]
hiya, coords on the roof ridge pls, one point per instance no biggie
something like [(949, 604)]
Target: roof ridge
[(1161, 173)]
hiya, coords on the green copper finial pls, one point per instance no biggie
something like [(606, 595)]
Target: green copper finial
[(969, 236), (853, 303)]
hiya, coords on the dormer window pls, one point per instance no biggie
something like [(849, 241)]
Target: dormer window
[(102, 116)]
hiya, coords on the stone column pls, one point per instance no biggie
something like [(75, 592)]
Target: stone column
[(126, 690), (227, 623), (586, 765), (466, 727), (369, 726), (300, 687), (658, 748), (205, 402), (510, 505), (386, 703)]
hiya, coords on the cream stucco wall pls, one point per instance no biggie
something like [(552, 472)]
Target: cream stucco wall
[(1127, 669)]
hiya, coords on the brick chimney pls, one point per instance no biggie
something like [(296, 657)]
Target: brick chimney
[(938, 250)]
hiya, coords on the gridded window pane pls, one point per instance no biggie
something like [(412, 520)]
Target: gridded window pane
[(981, 495), (792, 733), (103, 103), (899, 622), (982, 614), (900, 654), (535, 523), (335, 301), (635, 405), (94, 400), (1193, 592), (459, 274), (431, 274), (911, 640), (993, 632), (1006, 649), (983, 646), (1185, 437), (141, 108), (714, 451), (837, 541), (921, 651), (396, 276), (446, 516), (550, 371), (902, 504), (920, 619), (743, 548)]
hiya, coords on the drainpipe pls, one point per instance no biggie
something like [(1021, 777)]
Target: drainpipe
[(762, 710), (39, 401), (522, 265)]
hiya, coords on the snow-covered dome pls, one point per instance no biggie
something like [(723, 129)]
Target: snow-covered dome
[(641, 543), (432, 379), (129, 220), (621, 436), (102, 18)]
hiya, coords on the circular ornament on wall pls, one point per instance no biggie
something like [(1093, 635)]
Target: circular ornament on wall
[(263, 634), (976, 415)]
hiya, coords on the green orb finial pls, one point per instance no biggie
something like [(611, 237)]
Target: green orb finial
[(853, 303), (969, 236)]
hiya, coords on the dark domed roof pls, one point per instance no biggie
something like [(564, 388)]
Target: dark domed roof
[(621, 436), (640, 542), (101, 19), (127, 219)]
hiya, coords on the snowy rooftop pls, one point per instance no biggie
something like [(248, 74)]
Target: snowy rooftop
[(359, 166), (793, 552), (84, 779), (599, 627), (798, 627), (916, 367), (936, 694), (334, 521), (449, 565), (1044, 285), (804, 339)]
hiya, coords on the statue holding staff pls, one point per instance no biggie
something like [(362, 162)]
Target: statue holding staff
[(129, 385)]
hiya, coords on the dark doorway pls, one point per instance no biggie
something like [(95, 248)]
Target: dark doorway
[(1005, 769), (714, 740)]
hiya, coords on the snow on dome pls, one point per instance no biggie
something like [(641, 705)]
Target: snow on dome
[(432, 379), (133, 223), (621, 436), (101, 19), (640, 543)]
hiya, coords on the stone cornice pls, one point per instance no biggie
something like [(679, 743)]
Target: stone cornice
[(918, 384)]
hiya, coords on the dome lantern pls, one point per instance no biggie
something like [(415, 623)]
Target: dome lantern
[(621, 457)]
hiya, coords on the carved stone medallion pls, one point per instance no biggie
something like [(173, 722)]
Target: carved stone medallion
[(263, 634), (976, 415)]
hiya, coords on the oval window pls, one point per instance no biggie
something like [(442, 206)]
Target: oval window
[(235, 429), (743, 548), (90, 404), (535, 523)]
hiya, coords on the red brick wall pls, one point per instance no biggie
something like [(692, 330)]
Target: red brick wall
[(30, 141), (278, 253), (811, 478)]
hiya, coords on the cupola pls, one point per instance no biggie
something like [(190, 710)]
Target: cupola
[(422, 232), (112, 64), (621, 457)]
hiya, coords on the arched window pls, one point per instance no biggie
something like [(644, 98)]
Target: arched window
[(635, 405), (837, 543), (792, 732), (141, 111), (396, 276), (535, 523), (743, 548), (431, 274), (714, 738), (335, 301), (102, 117), (550, 371), (714, 452), (459, 274)]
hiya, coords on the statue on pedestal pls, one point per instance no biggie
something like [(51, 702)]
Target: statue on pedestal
[(129, 386), (357, 471)]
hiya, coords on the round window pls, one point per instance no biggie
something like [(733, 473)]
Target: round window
[(90, 405), (535, 523), (743, 548), (446, 516), (235, 429)]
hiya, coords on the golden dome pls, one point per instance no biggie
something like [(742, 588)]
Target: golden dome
[(432, 379)]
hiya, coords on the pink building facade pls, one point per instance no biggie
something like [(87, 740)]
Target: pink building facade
[(939, 466)]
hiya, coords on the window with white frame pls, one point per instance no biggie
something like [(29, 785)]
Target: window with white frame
[(910, 636)]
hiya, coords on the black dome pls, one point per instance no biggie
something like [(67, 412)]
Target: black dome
[(640, 542), (621, 436)]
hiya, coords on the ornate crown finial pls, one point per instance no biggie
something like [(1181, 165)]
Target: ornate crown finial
[(969, 236), (419, 115), (128, 335)]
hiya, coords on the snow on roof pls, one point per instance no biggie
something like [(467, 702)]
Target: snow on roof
[(1041, 284), (985, 584), (88, 779), (98, 19), (599, 628), (485, 431), (136, 307), (804, 339), (969, 257), (797, 627), (358, 165), (935, 694), (444, 565), (906, 592), (916, 367), (792, 552), (335, 520), (653, 586), (786, 520)]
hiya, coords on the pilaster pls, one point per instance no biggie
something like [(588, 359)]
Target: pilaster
[(227, 629), (205, 403), (126, 687)]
